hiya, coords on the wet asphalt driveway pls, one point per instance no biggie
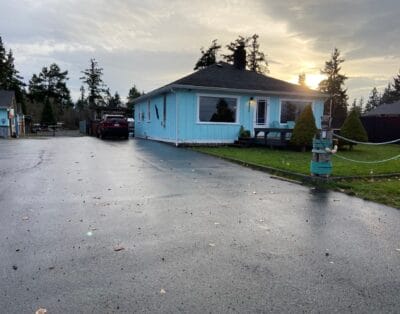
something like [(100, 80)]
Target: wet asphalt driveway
[(196, 234)]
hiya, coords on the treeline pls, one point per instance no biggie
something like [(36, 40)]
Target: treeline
[(389, 95), (47, 98), (255, 59)]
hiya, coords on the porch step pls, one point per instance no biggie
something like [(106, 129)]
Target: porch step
[(243, 142)]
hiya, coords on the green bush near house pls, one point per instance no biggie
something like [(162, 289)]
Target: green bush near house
[(243, 133), (305, 129), (353, 129)]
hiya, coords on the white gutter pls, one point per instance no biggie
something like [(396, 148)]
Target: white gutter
[(308, 94)]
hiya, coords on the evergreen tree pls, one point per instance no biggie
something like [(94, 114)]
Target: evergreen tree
[(256, 60), (133, 93), (386, 97), (336, 104), (115, 101), (14, 81), (209, 56), (3, 64), (373, 100), (240, 41), (304, 129), (81, 103), (358, 106), (92, 77), (395, 93), (107, 97), (353, 129), (51, 86), (9, 76), (302, 79), (36, 89), (47, 114)]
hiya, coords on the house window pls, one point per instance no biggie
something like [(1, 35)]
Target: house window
[(291, 109), (217, 109), (148, 110)]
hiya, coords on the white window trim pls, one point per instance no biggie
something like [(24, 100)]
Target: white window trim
[(218, 96), (292, 99), (268, 101), (138, 112)]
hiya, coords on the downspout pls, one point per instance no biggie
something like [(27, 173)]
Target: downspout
[(176, 118)]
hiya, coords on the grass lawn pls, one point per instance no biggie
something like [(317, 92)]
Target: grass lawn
[(300, 162), (386, 191)]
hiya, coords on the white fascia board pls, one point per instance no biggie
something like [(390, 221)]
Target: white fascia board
[(312, 94)]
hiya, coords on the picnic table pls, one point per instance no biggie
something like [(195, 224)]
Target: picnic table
[(281, 141)]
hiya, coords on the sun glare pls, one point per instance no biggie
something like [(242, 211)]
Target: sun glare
[(312, 80)]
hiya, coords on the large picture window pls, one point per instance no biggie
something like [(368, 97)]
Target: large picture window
[(291, 109), (217, 109)]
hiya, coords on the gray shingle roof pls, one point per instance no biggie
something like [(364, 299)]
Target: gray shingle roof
[(6, 98), (224, 76), (385, 109)]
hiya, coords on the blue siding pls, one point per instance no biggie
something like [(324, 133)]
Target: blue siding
[(154, 128), (190, 130), (4, 116)]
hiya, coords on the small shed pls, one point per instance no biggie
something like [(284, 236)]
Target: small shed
[(8, 108), (383, 123)]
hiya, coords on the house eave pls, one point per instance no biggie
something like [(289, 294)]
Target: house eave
[(167, 88)]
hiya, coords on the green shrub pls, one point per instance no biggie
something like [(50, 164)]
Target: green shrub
[(243, 132), (305, 129), (353, 129)]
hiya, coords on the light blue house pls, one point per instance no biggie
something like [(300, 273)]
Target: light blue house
[(210, 105)]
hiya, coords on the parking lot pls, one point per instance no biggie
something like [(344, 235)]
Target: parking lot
[(92, 226)]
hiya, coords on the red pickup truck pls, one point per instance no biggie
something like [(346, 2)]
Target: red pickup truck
[(113, 125)]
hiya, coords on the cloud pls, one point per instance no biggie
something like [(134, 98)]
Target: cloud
[(151, 43), (361, 28)]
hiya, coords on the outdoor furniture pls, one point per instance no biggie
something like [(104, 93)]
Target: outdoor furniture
[(281, 138)]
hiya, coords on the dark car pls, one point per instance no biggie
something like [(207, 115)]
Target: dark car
[(113, 126)]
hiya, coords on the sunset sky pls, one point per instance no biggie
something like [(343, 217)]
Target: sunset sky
[(151, 43)]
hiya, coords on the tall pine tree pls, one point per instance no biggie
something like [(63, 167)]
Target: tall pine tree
[(373, 100), (133, 94), (50, 86), (239, 42), (387, 95), (395, 93), (9, 76), (256, 60), (92, 77), (81, 103), (209, 56), (333, 86), (115, 101), (302, 79)]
